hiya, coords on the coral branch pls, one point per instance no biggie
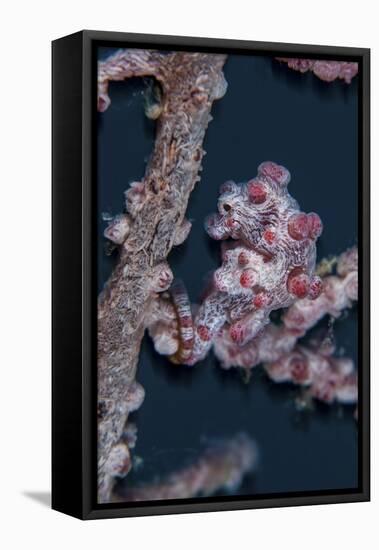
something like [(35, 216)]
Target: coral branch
[(221, 467), (154, 222), (324, 69), (326, 378), (340, 291), (125, 64)]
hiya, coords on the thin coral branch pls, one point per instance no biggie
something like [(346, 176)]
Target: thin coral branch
[(222, 466), (325, 377), (339, 292), (324, 69)]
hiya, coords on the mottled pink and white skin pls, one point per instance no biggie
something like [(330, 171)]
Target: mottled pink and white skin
[(326, 70), (268, 264)]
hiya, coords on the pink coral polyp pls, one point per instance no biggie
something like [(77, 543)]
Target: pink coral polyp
[(256, 192)]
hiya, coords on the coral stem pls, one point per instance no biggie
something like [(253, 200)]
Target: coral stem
[(155, 223), (221, 467)]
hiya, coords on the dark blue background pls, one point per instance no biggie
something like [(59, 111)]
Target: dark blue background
[(311, 127)]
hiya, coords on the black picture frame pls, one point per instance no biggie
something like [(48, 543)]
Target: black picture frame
[(74, 292)]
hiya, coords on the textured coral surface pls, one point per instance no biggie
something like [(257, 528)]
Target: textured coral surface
[(153, 223), (340, 291), (268, 263), (221, 467), (325, 70)]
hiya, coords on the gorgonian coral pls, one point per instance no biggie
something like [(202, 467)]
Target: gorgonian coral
[(326, 378), (340, 291), (268, 263), (326, 70), (221, 466), (153, 222)]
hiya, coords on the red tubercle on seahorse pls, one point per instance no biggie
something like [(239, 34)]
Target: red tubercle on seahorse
[(267, 263), (256, 192)]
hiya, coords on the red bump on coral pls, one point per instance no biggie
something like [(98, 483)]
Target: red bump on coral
[(232, 224), (261, 300), (298, 227), (315, 287), (298, 283), (203, 333), (248, 278), (274, 171), (269, 236), (237, 333), (314, 225), (299, 369), (327, 378), (243, 258), (257, 192)]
